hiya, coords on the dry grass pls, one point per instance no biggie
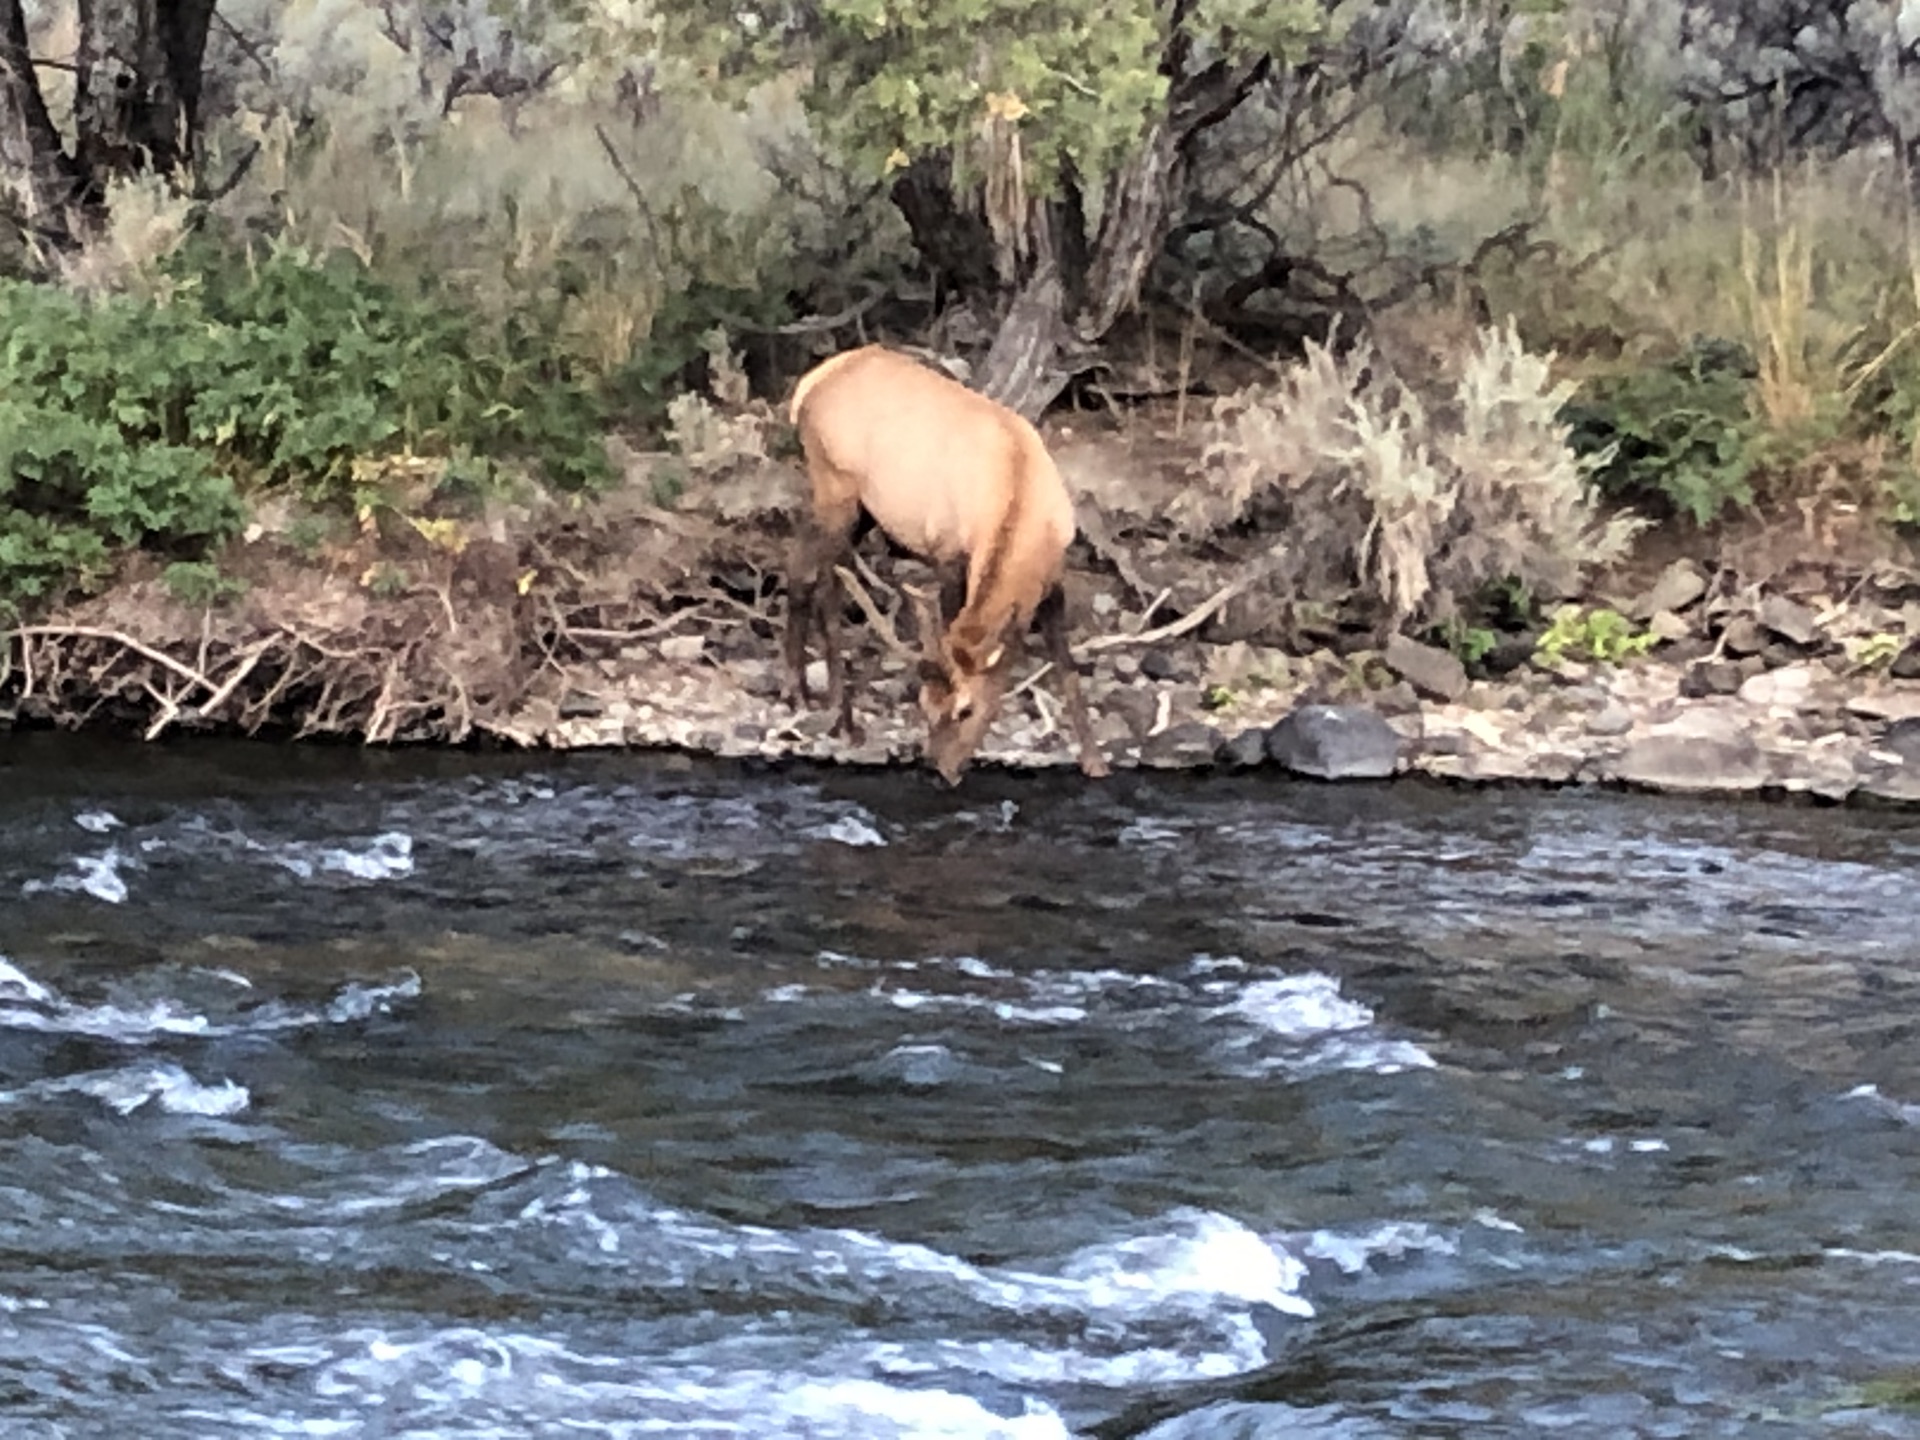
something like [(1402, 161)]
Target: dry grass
[(1416, 500)]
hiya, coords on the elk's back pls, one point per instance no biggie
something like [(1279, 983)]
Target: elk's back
[(937, 465)]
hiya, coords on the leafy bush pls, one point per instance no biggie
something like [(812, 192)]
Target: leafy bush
[(1425, 507), (127, 421), (1601, 635), (1680, 435)]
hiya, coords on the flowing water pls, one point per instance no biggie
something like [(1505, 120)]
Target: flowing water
[(355, 1094)]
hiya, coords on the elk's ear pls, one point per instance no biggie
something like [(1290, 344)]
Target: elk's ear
[(994, 658)]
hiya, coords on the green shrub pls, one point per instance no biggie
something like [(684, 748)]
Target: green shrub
[(1601, 635), (126, 421), (1679, 435)]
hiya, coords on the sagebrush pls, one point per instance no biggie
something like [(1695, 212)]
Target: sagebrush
[(1419, 504)]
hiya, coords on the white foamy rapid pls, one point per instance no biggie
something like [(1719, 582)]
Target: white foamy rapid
[(95, 875), (387, 856), (530, 1384), (26, 1004), (1254, 1020), (166, 1087)]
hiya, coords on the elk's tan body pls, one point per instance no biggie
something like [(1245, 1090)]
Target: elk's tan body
[(965, 484)]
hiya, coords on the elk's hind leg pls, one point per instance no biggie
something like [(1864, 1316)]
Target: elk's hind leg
[(804, 565), (1052, 615), (814, 601)]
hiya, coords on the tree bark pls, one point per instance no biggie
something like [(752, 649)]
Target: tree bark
[(1022, 369), (1073, 287), (138, 78), (30, 144), (137, 101)]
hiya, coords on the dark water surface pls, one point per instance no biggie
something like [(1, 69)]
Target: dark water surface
[(350, 1094)]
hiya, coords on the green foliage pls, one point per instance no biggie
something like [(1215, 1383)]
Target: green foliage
[(1218, 697), (676, 343), (74, 485), (129, 422), (387, 580), (312, 365), (891, 80), (1874, 652), (200, 583), (1600, 635), (1469, 642), (1680, 434)]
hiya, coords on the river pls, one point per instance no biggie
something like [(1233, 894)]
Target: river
[(409, 1094)]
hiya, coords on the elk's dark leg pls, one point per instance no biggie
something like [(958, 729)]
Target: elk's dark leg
[(803, 583), (1052, 615), (814, 600), (953, 590), (830, 600)]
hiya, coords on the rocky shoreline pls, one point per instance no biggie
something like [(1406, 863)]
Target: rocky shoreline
[(1766, 696), (1794, 732), (661, 630)]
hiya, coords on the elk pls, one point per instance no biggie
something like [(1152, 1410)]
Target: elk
[(965, 484)]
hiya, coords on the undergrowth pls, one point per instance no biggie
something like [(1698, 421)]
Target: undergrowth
[(130, 420), (1420, 502)]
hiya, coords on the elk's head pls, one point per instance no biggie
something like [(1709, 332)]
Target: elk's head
[(960, 689)]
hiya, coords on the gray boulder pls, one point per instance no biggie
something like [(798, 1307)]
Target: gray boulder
[(1335, 742)]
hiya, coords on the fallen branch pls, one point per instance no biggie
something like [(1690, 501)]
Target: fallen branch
[(255, 653), (91, 632), (882, 626), (1173, 630)]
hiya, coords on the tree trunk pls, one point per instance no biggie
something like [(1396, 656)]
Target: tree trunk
[(137, 102), (30, 145), (137, 91), (1023, 368), (1070, 291)]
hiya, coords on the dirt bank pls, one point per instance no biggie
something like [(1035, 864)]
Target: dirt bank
[(1780, 667)]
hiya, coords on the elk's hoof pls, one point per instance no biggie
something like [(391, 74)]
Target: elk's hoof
[(1094, 767)]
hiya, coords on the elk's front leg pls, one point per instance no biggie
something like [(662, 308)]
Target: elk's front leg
[(803, 582), (1053, 625), (830, 600)]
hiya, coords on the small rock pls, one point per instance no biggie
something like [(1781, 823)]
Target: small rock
[(1787, 687), (683, 648), (1137, 709), (1789, 619), (1669, 626), (1680, 585), (1902, 739), (1432, 671), (1693, 763), (1906, 665), (1181, 747), (1612, 718), (817, 676), (1335, 742), (1711, 677), (1245, 751), (1159, 665), (759, 681), (580, 705), (1399, 698), (1891, 705), (1509, 653), (1742, 635), (1890, 782), (1126, 667)]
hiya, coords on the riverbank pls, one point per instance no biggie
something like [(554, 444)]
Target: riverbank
[(631, 622)]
